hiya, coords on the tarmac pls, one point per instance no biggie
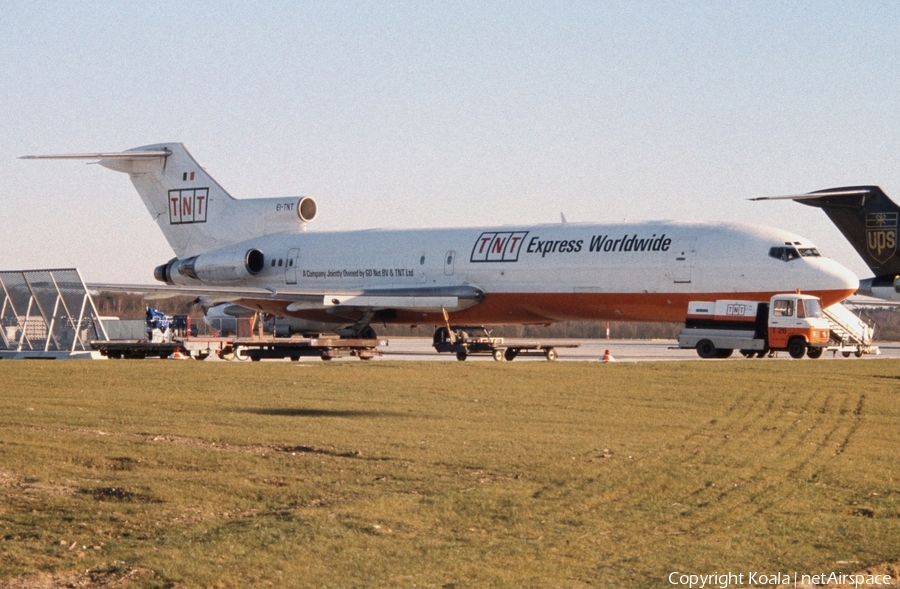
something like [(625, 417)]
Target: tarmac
[(420, 349)]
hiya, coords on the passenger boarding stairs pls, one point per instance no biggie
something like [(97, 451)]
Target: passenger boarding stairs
[(849, 333)]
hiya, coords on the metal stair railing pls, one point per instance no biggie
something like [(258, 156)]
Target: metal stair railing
[(850, 328)]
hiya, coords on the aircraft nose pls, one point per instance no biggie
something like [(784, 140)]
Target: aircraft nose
[(839, 282)]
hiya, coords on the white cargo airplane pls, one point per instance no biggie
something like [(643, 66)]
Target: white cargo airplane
[(255, 253)]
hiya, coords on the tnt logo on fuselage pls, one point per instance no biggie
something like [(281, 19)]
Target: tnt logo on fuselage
[(188, 206), (498, 246), (881, 235)]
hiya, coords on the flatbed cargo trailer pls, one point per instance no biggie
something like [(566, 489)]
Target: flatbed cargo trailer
[(538, 349), (134, 350), (325, 348), (253, 349)]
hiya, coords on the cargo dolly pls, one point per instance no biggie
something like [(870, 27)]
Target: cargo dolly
[(459, 341)]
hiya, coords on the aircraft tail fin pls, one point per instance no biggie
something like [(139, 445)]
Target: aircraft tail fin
[(193, 211), (866, 217)]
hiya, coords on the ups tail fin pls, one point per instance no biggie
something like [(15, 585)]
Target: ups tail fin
[(193, 211)]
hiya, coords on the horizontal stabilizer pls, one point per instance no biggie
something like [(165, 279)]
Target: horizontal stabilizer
[(815, 195), (125, 155)]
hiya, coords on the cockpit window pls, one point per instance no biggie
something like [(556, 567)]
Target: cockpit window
[(809, 252), (785, 253)]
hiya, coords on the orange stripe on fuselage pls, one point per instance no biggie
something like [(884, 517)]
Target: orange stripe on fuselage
[(533, 308)]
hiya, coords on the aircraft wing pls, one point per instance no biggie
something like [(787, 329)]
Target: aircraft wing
[(425, 299)]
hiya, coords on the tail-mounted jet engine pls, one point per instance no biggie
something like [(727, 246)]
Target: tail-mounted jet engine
[(307, 209), (230, 265), (233, 265)]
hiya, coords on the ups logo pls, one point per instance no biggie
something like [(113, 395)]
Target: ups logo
[(881, 235)]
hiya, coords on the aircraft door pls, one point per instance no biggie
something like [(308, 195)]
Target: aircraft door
[(683, 263), (290, 266), (449, 262)]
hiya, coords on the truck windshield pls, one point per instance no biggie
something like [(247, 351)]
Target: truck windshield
[(809, 308)]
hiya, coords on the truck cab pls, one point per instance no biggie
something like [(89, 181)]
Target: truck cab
[(797, 318)]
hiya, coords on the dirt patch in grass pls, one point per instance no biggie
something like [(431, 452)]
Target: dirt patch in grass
[(95, 579)]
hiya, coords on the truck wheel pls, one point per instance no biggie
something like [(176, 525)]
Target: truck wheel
[(797, 348), (551, 354), (845, 354), (815, 352), (706, 349), (724, 353), (461, 356), (509, 354), (498, 355), (858, 353)]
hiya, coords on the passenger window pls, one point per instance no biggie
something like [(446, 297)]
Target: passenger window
[(783, 308), (279, 262), (422, 261)]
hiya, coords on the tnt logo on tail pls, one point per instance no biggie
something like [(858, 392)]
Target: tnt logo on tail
[(188, 206), (881, 235)]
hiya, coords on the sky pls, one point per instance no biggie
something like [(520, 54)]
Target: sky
[(423, 114)]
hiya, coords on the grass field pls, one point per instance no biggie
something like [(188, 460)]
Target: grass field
[(445, 474)]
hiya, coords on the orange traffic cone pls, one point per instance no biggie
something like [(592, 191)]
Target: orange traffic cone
[(607, 357), (176, 355)]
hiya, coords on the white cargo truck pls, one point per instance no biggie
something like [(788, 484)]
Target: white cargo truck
[(791, 322)]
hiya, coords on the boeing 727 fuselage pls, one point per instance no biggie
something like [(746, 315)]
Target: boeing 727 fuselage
[(256, 254)]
